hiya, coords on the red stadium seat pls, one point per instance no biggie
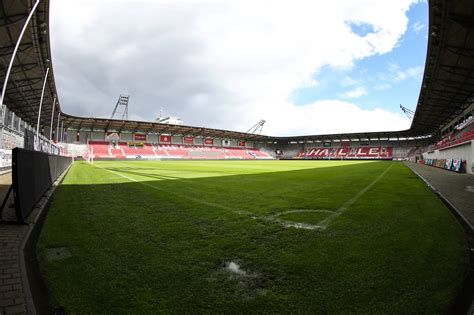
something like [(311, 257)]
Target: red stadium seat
[(123, 150)]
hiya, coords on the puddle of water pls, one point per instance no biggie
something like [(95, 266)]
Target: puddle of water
[(235, 268), (299, 225), (242, 284)]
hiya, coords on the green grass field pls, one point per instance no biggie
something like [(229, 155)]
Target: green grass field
[(309, 237)]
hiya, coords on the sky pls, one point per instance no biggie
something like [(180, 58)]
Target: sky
[(306, 67)]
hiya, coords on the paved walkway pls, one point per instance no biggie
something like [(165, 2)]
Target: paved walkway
[(12, 297), (457, 188)]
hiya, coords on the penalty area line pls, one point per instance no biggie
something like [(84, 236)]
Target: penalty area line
[(324, 223)]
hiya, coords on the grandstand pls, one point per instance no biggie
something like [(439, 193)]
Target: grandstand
[(437, 119), (351, 153), (441, 135), (155, 151)]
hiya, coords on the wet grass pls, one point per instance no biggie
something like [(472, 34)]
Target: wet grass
[(148, 237), (309, 217)]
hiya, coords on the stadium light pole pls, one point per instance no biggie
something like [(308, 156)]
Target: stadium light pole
[(41, 103), (62, 131), (52, 118), (57, 127), (12, 59)]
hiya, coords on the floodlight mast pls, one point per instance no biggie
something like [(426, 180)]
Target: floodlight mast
[(408, 112), (257, 128), (123, 103)]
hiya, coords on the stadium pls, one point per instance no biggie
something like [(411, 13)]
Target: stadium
[(113, 215)]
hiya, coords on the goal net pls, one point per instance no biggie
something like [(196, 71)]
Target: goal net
[(89, 155)]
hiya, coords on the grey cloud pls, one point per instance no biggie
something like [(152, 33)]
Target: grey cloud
[(156, 68)]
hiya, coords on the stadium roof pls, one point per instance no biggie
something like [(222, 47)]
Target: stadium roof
[(448, 82), (23, 91), (151, 127), (447, 87)]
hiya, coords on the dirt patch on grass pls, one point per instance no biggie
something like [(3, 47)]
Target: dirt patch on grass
[(242, 283)]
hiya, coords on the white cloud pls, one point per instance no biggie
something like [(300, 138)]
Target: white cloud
[(383, 86), (396, 74), (331, 116), (348, 81), (414, 71), (355, 93), (418, 26), (223, 64), (408, 73)]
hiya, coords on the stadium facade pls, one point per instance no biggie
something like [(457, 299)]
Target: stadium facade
[(442, 130)]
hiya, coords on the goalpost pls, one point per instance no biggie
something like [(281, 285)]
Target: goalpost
[(88, 154)]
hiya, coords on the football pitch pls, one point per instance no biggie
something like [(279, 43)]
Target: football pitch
[(250, 237)]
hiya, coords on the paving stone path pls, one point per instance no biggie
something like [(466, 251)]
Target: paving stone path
[(12, 297), (457, 188)]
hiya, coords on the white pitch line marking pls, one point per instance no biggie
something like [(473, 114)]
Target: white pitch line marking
[(324, 223), (211, 204), (301, 211), (297, 225)]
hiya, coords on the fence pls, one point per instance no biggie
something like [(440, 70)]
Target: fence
[(33, 172)]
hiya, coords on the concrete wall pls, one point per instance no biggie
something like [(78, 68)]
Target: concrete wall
[(98, 135), (460, 152), (176, 140), (198, 141), (152, 138), (126, 137), (71, 136)]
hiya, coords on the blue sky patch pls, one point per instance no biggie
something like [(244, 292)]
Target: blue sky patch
[(381, 81), (360, 28)]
